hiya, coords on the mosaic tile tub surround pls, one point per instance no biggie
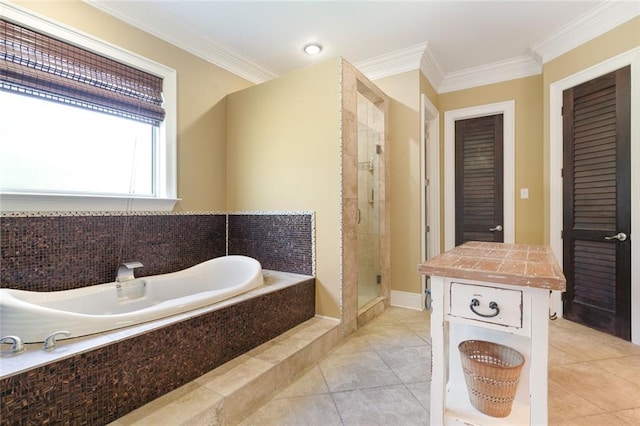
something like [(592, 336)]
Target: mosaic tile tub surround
[(281, 242), (104, 384), (56, 252), (59, 252)]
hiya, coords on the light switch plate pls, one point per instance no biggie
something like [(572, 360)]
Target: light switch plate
[(524, 193)]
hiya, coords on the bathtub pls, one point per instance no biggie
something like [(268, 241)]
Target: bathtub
[(34, 315)]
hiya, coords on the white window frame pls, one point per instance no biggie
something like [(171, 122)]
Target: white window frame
[(166, 196)]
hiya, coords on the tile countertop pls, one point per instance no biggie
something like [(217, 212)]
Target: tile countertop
[(514, 264)]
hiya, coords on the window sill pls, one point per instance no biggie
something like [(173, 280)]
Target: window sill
[(22, 202)]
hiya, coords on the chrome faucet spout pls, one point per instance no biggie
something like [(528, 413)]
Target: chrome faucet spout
[(17, 345), (125, 271)]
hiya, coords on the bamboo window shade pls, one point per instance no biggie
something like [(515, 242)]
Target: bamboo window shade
[(38, 65)]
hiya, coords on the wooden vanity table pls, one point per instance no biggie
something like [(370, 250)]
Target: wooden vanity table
[(499, 293)]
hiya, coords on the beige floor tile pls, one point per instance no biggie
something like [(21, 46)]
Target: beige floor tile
[(627, 367), (629, 417), (255, 393), (353, 344), (407, 315), (344, 372), (566, 405), (597, 341), (233, 375), (421, 328), (310, 329), (410, 364), (384, 319), (310, 383), (379, 375), (382, 337), (606, 419), (422, 392), (389, 405), (181, 406), (278, 350), (559, 357), (308, 410), (589, 345), (602, 389)]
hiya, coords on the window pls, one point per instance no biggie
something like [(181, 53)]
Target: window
[(78, 151), (85, 126)]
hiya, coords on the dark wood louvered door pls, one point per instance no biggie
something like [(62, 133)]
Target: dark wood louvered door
[(479, 173), (597, 203)]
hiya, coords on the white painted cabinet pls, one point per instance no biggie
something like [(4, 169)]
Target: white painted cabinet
[(472, 304)]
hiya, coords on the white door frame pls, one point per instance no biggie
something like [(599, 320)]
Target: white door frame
[(429, 175), (631, 57), (506, 108)]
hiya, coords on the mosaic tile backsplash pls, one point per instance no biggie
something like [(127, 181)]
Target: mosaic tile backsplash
[(280, 242), (50, 253)]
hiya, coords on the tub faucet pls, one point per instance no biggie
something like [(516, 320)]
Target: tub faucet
[(125, 271), (17, 345)]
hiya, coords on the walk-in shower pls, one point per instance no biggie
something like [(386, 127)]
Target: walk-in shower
[(370, 144)]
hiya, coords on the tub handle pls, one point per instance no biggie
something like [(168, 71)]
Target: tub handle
[(17, 345), (50, 340)]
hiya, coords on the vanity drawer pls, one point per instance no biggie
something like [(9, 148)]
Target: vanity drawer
[(487, 304)]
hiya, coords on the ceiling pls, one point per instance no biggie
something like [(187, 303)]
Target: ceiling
[(448, 40)]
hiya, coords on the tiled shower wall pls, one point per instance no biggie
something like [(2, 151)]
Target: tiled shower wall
[(59, 252)]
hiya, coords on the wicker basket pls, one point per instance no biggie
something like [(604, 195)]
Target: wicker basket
[(492, 372)]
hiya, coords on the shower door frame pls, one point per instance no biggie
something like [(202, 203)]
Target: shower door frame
[(353, 81)]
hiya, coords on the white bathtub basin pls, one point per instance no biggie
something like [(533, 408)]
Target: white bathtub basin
[(34, 315)]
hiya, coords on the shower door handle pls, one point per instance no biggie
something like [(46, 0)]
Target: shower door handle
[(358, 215)]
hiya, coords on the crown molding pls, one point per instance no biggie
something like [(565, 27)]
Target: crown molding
[(592, 24), (393, 63), (496, 72), (158, 25), (431, 68)]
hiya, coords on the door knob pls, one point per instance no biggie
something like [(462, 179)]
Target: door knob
[(620, 236), (497, 228)]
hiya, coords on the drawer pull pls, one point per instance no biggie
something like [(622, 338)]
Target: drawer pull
[(492, 305)]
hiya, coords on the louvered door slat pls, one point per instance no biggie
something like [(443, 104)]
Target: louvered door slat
[(594, 118), (478, 178), (596, 203), (595, 275)]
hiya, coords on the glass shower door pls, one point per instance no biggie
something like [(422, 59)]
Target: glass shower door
[(370, 137)]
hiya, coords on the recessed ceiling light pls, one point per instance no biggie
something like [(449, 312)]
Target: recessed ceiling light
[(312, 48)]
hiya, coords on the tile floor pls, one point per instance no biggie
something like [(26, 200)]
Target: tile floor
[(380, 376)]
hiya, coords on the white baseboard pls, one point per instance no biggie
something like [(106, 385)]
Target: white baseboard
[(403, 299)]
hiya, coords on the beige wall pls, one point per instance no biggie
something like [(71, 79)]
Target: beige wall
[(225, 164), (619, 40), (201, 108), (531, 144), (405, 90), (404, 141), (283, 153), (427, 89), (527, 94)]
